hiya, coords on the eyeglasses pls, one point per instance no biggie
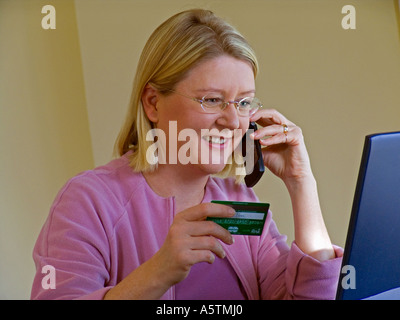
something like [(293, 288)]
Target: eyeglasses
[(213, 103)]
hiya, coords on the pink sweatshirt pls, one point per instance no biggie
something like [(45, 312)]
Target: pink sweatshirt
[(106, 222)]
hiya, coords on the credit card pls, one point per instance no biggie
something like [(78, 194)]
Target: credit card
[(248, 220)]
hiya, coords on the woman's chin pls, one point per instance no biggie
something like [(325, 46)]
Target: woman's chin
[(212, 168)]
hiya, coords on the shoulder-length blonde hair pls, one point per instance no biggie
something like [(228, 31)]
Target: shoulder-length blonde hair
[(174, 48)]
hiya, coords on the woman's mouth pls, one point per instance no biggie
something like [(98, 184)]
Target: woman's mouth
[(215, 140)]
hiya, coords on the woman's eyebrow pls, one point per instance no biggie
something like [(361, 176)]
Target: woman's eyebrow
[(217, 90), (247, 92)]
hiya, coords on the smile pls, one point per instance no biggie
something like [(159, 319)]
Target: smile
[(215, 140)]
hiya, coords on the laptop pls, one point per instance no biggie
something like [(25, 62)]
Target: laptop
[(371, 261)]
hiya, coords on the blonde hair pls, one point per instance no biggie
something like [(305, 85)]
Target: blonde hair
[(174, 48)]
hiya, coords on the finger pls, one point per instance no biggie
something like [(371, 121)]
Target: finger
[(197, 256), (208, 243), (274, 140), (266, 117), (269, 131), (293, 136), (210, 228), (204, 210)]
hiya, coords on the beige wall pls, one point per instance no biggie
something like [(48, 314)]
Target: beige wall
[(56, 87), (44, 135)]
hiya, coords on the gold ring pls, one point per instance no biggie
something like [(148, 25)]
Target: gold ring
[(285, 129)]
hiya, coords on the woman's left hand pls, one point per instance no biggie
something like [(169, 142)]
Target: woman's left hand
[(284, 151), (285, 154)]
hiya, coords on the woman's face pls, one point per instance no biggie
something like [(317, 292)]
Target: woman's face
[(208, 139)]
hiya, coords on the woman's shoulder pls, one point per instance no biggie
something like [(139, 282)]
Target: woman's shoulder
[(115, 180)]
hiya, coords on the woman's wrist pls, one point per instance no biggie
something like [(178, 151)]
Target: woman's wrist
[(302, 183), (143, 283), (311, 235)]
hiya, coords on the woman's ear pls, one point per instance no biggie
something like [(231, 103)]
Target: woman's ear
[(149, 101)]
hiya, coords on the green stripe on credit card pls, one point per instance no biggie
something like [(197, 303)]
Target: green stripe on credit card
[(248, 220)]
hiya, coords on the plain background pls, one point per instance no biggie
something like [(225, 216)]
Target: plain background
[(64, 94)]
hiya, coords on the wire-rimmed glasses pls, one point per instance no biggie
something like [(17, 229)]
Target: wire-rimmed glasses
[(214, 103)]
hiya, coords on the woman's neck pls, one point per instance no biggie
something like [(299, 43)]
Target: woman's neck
[(167, 181)]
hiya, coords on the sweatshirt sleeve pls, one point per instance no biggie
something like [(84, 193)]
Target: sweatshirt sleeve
[(74, 243), (309, 278), (288, 273)]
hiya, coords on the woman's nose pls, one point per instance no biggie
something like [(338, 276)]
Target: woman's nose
[(229, 117)]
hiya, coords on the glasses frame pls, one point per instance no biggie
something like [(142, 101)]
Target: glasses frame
[(223, 105)]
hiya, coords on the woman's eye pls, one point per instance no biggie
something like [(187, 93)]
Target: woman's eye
[(213, 101), (245, 103)]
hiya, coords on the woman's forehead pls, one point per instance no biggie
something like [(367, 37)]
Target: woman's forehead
[(220, 74)]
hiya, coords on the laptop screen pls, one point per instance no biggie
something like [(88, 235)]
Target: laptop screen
[(371, 261)]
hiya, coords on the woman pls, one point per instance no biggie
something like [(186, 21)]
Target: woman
[(136, 229)]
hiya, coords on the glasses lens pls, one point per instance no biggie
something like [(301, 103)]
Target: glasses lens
[(212, 103), (248, 106)]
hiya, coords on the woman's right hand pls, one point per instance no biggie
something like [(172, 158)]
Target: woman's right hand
[(191, 239)]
